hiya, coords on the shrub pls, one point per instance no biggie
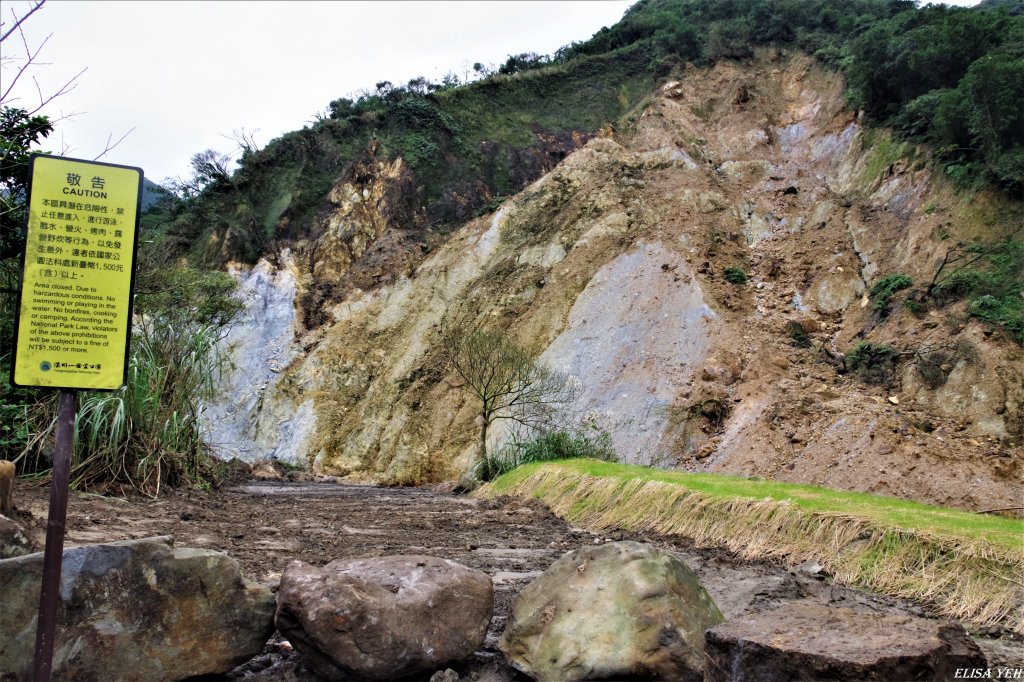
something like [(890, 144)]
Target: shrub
[(874, 363), (735, 276), (146, 435), (884, 289), (915, 305), (993, 282), (546, 447)]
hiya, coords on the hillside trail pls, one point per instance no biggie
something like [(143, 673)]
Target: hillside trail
[(267, 524)]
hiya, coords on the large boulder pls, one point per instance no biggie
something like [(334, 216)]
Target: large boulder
[(385, 618), (14, 541), (805, 642), (618, 610), (136, 610), (268, 470)]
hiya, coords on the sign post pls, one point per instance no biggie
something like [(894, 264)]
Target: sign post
[(73, 319)]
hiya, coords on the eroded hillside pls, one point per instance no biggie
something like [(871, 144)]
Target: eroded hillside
[(616, 266)]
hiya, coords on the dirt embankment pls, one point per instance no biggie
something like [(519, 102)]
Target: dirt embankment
[(266, 525)]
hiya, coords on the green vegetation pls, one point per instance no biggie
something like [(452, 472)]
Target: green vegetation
[(19, 131), (952, 77), (991, 277), (464, 145), (875, 363), (884, 289), (547, 447), (964, 565), (508, 381), (735, 276), (883, 152), (146, 435), (947, 76)]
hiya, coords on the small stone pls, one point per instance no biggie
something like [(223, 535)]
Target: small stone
[(14, 541), (810, 567), (268, 470)]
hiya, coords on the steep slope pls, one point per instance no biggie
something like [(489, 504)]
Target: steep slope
[(614, 265)]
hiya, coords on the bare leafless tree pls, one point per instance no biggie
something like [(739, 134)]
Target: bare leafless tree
[(961, 256), (507, 380), (21, 61), (245, 141), (17, 61)]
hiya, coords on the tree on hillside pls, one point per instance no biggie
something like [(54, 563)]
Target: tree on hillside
[(507, 380), (210, 170)]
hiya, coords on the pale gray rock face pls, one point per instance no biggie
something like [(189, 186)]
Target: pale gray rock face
[(241, 421), (14, 541), (136, 610), (807, 642), (619, 610), (382, 619), (633, 338)]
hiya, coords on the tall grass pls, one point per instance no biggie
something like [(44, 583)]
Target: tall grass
[(550, 446), (146, 435)]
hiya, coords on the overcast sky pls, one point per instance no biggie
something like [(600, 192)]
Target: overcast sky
[(186, 74)]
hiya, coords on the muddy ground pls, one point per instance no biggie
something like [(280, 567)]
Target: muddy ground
[(265, 525)]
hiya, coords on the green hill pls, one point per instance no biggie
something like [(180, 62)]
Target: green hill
[(951, 77)]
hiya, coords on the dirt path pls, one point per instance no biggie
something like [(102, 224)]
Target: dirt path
[(266, 525)]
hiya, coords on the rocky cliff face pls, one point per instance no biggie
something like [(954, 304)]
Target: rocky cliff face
[(614, 266)]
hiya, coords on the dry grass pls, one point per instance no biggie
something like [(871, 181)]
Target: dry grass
[(966, 576)]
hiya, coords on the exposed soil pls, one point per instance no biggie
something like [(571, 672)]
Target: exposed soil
[(718, 251), (265, 525)]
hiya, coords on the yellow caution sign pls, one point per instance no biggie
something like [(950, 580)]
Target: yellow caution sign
[(75, 306)]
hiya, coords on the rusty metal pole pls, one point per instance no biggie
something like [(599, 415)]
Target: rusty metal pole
[(52, 559)]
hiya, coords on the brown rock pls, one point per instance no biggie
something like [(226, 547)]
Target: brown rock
[(268, 470), (233, 471), (6, 487), (809, 325), (810, 642), (386, 618), (14, 541), (139, 609), (446, 487), (621, 610), (725, 370)]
